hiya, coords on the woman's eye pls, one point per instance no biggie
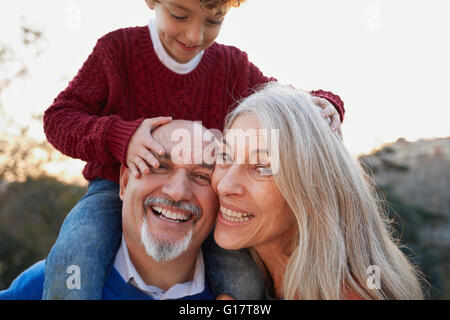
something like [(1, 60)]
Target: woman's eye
[(264, 170)]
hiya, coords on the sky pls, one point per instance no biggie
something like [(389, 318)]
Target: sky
[(387, 59)]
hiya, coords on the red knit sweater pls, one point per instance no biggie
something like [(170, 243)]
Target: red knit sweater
[(123, 82)]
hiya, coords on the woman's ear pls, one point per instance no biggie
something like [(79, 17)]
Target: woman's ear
[(124, 174)]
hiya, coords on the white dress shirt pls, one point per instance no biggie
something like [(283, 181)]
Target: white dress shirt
[(129, 273)]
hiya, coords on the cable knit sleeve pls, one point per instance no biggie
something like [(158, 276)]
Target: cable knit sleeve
[(83, 122), (334, 99)]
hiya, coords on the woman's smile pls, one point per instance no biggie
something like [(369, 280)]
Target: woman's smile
[(233, 217)]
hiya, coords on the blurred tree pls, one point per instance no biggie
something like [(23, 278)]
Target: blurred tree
[(31, 214), (20, 154), (32, 204)]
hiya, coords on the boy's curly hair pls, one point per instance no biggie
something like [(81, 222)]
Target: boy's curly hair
[(220, 7)]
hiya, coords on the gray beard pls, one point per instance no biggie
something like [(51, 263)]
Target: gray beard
[(163, 251)]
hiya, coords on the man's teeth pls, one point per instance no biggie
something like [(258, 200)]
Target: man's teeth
[(234, 216), (171, 214)]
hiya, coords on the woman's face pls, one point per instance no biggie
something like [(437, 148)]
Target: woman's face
[(252, 210)]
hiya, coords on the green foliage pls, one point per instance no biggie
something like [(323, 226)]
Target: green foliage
[(31, 214)]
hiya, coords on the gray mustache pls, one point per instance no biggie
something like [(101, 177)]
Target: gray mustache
[(186, 206)]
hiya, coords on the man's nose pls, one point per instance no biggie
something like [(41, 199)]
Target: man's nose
[(231, 182), (177, 186), (195, 34)]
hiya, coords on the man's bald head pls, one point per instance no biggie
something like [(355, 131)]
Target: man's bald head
[(164, 132), (186, 141)]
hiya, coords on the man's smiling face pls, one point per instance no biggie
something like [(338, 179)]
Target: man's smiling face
[(174, 206)]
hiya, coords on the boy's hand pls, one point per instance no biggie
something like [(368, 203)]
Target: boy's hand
[(139, 152), (329, 112)]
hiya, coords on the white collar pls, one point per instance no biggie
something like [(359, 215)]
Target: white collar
[(166, 59), (129, 273)]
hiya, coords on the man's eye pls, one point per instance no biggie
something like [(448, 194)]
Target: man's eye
[(162, 168), (202, 179)]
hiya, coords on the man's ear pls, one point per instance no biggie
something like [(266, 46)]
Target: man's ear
[(123, 180)]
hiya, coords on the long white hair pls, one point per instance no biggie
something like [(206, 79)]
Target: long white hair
[(341, 224)]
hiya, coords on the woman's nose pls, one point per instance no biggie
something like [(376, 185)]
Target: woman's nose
[(231, 184), (177, 186)]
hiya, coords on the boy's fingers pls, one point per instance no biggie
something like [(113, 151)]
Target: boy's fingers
[(328, 111), (143, 167), (159, 121), (154, 146), (320, 102), (339, 131), (335, 123), (134, 169), (150, 159)]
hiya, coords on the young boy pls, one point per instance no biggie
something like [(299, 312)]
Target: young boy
[(135, 80)]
